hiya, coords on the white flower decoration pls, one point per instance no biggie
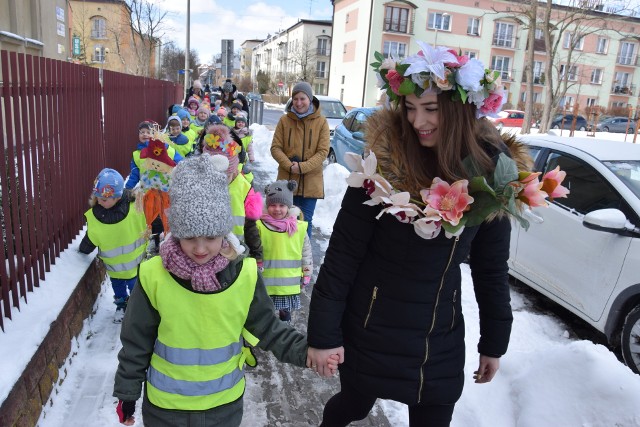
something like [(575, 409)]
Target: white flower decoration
[(364, 170), (469, 75), (429, 60)]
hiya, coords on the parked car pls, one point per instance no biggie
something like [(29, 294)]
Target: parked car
[(508, 118), (558, 123), (349, 136), (331, 108), (583, 251), (616, 124)]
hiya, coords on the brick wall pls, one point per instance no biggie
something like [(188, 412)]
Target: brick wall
[(25, 401)]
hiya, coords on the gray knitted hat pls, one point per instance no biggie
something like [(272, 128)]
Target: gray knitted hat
[(280, 192), (199, 196), (303, 87)]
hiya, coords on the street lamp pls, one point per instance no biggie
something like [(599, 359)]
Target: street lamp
[(101, 52), (443, 16)]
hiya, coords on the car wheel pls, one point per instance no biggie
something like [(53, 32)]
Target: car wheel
[(631, 340), (331, 158), (556, 127), (605, 129), (582, 128), (630, 131)]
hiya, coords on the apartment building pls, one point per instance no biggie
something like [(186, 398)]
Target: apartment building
[(604, 70), (301, 52), (246, 54), (38, 28)]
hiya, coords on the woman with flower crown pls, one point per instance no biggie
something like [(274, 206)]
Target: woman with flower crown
[(439, 186)]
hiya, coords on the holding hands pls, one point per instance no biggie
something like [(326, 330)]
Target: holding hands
[(325, 361), (125, 411)]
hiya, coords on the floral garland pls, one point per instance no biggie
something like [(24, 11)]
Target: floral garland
[(465, 203), (440, 69)]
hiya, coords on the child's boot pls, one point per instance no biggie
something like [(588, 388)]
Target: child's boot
[(121, 307)]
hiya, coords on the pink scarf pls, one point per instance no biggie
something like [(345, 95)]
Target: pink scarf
[(203, 277), (288, 224)]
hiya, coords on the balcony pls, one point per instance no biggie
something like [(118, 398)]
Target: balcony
[(538, 79), (323, 52), (397, 26), (504, 42), (623, 90), (631, 61), (102, 34)]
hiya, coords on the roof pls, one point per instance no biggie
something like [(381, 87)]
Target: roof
[(601, 149)]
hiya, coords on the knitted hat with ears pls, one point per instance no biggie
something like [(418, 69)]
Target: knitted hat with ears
[(199, 195), (280, 192), (227, 86)]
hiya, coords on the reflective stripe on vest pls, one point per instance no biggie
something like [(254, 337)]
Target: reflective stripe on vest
[(238, 191), (198, 358), (121, 246), (282, 257)]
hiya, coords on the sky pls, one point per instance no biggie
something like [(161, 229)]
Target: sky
[(548, 378), (240, 20)]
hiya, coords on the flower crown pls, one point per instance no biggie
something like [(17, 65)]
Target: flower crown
[(438, 69), (216, 142)]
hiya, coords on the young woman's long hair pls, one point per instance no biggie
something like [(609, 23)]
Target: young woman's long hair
[(461, 134)]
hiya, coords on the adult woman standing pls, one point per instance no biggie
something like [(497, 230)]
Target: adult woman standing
[(300, 145), (387, 298)]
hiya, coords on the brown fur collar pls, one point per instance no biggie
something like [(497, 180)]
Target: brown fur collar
[(384, 125)]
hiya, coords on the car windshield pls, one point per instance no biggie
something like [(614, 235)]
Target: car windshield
[(629, 173), (332, 110)]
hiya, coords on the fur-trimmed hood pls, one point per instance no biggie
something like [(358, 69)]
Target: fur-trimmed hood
[(384, 125)]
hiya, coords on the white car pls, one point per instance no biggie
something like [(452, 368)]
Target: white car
[(331, 108), (583, 251)]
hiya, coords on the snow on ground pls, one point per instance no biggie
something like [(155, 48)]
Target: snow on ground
[(546, 378)]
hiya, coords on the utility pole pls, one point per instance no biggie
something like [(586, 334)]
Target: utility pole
[(186, 53)]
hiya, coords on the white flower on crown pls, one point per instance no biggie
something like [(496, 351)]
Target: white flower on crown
[(470, 74), (429, 60)]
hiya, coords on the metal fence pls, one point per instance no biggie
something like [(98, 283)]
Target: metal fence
[(54, 143)]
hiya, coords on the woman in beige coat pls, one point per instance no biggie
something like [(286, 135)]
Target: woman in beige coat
[(300, 145)]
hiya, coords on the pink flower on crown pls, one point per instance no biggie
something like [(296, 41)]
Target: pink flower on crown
[(444, 84), (492, 104), (395, 80), (450, 200), (461, 60)]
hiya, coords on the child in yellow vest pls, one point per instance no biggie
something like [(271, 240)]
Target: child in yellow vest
[(117, 229), (182, 335), (287, 259), (185, 120)]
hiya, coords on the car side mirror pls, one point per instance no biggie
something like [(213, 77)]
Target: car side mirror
[(610, 221), (358, 135)]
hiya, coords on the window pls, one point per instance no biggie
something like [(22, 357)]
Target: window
[(503, 34), (471, 54), (319, 88), (358, 123), (98, 53), (596, 76), (566, 102), (396, 19), (621, 82), (602, 45), (342, 79), (627, 51), (98, 28), (523, 96), (473, 26), (538, 72), (575, 40), (396, 50), (539, 35), (439, 21), (320, 69), (346, 21), (536, 97), (323, 49), (572, 72), (501, 63), (591, 102), (617, 104), (589, 190)]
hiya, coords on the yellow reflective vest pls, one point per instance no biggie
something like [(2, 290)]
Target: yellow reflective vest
[(238, 191), (121, 246), (282, 257), (198, 358)]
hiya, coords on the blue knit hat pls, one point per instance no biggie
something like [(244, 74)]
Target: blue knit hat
[(108, 184), (183, 114)]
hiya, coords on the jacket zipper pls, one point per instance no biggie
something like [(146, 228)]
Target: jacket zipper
[(373, 300), (433, 319), (453, 319), (304, 135)]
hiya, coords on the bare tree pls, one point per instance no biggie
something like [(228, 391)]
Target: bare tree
[(303, 57), (173, 61), (147, 29)]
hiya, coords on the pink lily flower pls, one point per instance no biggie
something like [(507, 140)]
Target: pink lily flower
[(551, 183), (450, 200), (532, 194)]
